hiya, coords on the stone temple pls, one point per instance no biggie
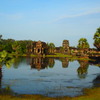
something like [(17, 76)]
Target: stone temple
[(38, 48)]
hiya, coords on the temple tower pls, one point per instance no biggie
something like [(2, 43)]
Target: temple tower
[(65, 46)]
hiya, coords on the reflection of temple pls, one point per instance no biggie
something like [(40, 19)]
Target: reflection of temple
[(65, 62), (37, 48), (39, 63)]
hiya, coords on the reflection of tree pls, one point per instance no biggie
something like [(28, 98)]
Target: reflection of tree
[(6, 91), (12, 61), (9, 62), (5, 59), (65, 62), (95, 61), (39, 63), (96, 81), (51, 62), (82, 70), (0, 74), (17, 61)]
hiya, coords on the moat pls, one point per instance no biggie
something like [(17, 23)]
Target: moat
[(53, 77)]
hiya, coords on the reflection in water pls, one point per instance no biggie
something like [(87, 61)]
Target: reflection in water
[(61, 80), (51, 62), (83, 69), (6, 90), (39, 63), (95, 61), (0, 75), (42, 63), (96, 81), (65, 62)]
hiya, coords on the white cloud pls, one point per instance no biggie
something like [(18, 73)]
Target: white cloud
[(93, 11)]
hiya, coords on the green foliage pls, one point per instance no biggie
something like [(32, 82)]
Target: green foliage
[(0, 37), (97, 39), (82, 43), (51, 62), (82, 70), (51, 47), (3, 54), (9, 63), (19, 47)]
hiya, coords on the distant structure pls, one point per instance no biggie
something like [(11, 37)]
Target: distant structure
[(38, 48), (41, 48), (65, 46)]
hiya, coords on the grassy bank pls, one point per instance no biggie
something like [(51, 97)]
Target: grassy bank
[(4, 54), (89, 94), (57, 55)]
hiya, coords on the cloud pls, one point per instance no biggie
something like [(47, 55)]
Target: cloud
[(78, 15), (16, 16)]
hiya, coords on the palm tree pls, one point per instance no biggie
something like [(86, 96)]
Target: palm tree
[(97, 39), (83, 44), (51, 47), (0, 37)]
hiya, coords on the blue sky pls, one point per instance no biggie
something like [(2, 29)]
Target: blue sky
[(50, 20)]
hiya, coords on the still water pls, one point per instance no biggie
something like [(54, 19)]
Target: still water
[(48, 76)]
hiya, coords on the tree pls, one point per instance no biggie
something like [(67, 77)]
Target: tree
[(8, 45), (51, 47), (97, 39), (1, 46), (0, 37), (83, 44), (16, 47)]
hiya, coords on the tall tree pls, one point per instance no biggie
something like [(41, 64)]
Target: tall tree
[(1, 46), (97, 39), (0, 37), (83, 43), (51, 47)]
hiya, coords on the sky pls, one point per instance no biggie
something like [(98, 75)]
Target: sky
[(50, 20)]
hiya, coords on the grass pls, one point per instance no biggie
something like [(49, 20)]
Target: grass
[(59, 55), (89, 94), (51, 55)]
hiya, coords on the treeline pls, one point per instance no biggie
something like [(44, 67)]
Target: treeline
[(20, 47), (83, 43), (13, 46)]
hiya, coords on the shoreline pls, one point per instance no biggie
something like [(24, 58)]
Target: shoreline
[(89, 94), (54, 56)]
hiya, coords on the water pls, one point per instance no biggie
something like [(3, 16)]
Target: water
[(48, 76)]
